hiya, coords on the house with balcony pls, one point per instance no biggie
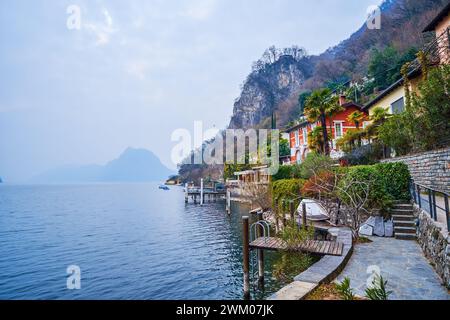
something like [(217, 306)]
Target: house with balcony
[(440, 25), (338, 125), (438, 52)]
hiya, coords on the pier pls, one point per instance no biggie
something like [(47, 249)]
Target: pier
[(202, 194), (256, 239), (319, 247)]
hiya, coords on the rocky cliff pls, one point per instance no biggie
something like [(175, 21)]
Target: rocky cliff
[(267, 88)]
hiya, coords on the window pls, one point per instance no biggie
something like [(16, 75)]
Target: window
[(398, 106), (305, 136), (338, 129), (298, 157), (297, 140)]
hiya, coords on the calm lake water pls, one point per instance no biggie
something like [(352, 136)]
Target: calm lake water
[(131, 241)]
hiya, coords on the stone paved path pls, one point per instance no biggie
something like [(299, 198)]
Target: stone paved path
[(402, 264)]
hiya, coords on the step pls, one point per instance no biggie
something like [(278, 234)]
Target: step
[(410, 224), (402, 211), (405, 230), (403, 217), (403, 206), (401, 202), (405, 236)]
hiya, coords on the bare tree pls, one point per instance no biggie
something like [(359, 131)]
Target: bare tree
[(345, 198), (259, 194), (274, 54), (355, 196)]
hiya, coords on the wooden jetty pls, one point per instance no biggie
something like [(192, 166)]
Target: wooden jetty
[(263, 241), (331, 248)]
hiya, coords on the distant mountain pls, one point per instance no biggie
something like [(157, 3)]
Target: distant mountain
[(1, 181), (133, 165)]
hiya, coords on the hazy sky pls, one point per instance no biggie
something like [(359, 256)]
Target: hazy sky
[(137, 70)]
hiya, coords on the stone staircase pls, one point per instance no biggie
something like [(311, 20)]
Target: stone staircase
[(404, 221)]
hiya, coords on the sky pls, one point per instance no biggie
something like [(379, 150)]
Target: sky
[(137, 70)]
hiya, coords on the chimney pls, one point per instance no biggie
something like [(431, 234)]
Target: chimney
[(342, 100)]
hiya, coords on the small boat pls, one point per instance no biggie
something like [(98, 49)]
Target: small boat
[(314, 210), (164, 187)]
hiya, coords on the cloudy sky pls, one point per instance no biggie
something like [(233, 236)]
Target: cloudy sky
[(137, 70)]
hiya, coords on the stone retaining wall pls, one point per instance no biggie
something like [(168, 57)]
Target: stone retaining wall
[(434, 241), (431, 169)]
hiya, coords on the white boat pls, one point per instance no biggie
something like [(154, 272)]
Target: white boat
[(314, 210)]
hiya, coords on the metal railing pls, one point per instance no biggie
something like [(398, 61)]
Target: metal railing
[(432, 201), (437, 51)]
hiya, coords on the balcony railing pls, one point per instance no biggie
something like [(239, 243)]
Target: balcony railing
[(434, 202), (437, 51)]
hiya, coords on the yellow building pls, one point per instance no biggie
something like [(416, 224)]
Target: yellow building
[(393, 98)]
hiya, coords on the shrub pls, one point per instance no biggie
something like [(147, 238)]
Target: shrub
[(395, 178), (320, 185), (344, 290), (291, 264), (286, 190), (294, 236), (378, 290), (284, 172), (350, 140), (395, 133), (378, 196), (287, 187), (364, 155), (313, 163), (305, 170)]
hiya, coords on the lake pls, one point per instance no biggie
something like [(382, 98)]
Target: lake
[(131, 241)]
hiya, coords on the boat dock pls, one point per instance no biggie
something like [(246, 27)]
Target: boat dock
[(331, 248), (202, 194)]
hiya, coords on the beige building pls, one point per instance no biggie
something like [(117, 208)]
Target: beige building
[(393, 98), (258, 175)]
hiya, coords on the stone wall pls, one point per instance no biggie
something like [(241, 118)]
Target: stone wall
[(431, 169), (434, 241)]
